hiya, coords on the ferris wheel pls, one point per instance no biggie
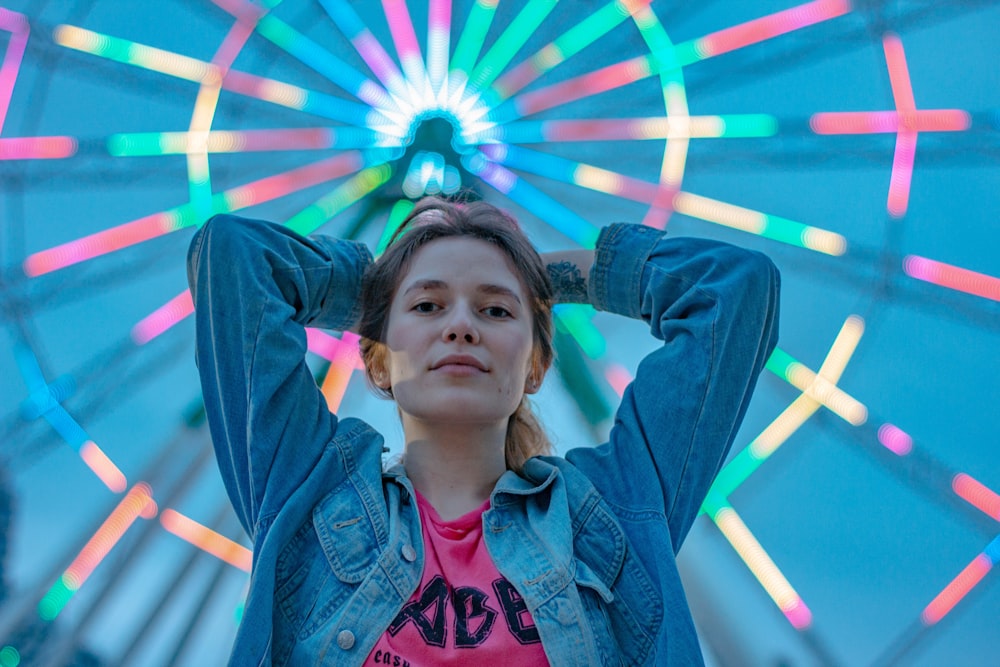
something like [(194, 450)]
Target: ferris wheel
[(854, 143)]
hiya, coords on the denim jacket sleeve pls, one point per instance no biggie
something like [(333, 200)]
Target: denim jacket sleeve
[(715, 307), (256, 286)]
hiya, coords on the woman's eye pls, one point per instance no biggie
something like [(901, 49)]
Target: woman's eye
[(425, 307), (497, 311)]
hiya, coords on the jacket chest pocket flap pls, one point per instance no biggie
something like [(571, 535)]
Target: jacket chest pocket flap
[(346, 533)]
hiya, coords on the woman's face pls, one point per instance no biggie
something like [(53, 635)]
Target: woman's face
[(460, 335)]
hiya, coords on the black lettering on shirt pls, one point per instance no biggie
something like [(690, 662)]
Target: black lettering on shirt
[(432, 629), (470, 604), (514, 607)]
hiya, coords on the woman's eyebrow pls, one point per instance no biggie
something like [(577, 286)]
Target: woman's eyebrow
[(426, 284), (499, 290)]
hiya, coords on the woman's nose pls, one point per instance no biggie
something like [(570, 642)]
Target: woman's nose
[(461, 326)]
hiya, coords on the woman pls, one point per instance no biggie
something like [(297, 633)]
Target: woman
[(477, 548)]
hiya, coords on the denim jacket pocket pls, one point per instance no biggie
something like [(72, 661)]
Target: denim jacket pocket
[(346, 534), (625, 609)]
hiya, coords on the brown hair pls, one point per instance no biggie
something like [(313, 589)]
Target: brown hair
[(434, 218)]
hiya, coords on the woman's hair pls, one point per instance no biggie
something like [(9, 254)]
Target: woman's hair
[(434, 218)]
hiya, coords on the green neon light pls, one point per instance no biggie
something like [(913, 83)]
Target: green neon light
[(749, 125), (575, 319), (317, 214), (510, 42), (9, 657), (780, 363), (473, 35), (54, 600), (589, 30), (399, 211)]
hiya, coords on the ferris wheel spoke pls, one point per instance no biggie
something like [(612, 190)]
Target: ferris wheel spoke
[(187, 215)]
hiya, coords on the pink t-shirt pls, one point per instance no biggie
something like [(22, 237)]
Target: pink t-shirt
[(464, 612)]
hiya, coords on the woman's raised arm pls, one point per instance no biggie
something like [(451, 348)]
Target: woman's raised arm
[(256, 286), (715, 307)]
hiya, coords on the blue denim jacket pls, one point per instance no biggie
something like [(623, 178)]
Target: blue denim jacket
[(588, 541)]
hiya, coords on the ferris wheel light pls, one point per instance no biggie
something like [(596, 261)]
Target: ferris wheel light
[(952, 277), (762, 567), (960, 586), (977, 494), (895, 439), (206, 539), (37, 148)]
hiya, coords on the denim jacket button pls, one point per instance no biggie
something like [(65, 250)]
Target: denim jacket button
[(345, 639), (409, 553)]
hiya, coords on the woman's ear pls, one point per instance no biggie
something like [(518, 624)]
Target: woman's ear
[(376, 367), (536, 374)]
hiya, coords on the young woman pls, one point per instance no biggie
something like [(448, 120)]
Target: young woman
[(478, 548)]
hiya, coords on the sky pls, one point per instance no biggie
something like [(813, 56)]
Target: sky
[(865, 523)]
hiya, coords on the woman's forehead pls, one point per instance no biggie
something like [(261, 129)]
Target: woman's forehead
[(461, 260)]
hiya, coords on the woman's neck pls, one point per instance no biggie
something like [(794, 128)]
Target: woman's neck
[(455, 468)]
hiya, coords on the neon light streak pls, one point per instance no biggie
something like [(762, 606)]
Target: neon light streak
[(559, 50), (618, 129), (351, 25), (977, 494), (763, 568), (330, 347), (895, 439), (960, 586), (198, 71), (163, 318), (137, 502), (816, 387), (952, 277), (356, 187), (599, 81), (9, 657), (220, 141), (576, 320), (890, 122), (397, 214), (618, 377), (322, 61), (509, 42), (343, 363), (103, 467), (405, 39), (745, 462), (761, 29), (37, 148), (601, 180), (472, 38), (17, 25), (206, 539), (438, 43), (546, 208), (158, 224), (769, 226)]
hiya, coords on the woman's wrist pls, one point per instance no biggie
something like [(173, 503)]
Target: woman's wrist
[(569, 271)]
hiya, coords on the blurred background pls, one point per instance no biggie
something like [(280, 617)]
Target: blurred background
[(856, 143)]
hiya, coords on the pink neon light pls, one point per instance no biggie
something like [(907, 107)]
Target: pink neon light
[(592, 83), (163, 318), (157, 224), (769, 26), (977, 494), (618, 377), (401, 27), (517, 78), (137, 502), (798, 615), (378, 60), (895, 439), (956, 590), (902, 173), (952, 277), (103, 467), (207, 539), (876, 122), (36, 148), (17, 25), (899, 73), (334, 349)]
